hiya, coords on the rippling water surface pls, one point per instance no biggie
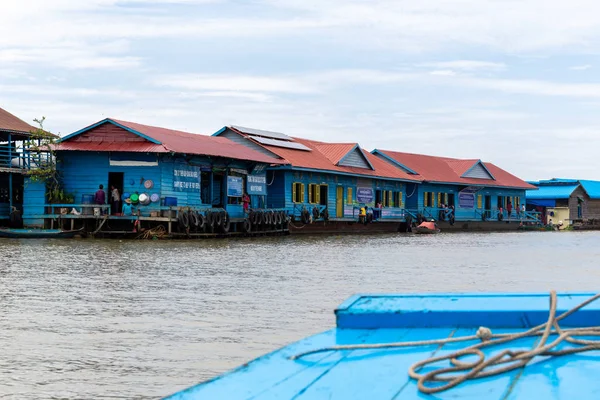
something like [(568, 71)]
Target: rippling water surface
[(102, 319)]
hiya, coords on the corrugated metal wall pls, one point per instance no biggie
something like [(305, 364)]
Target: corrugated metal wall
[(355, 159), (478, 172)]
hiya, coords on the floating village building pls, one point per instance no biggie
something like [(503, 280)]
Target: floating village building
[(195, 185), (566, 201)]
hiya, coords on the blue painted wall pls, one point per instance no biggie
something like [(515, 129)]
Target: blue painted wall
[(34, 198), (417, 203), (280, 192), (83, 172)]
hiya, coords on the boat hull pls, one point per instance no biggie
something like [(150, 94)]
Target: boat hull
[(38, 233)]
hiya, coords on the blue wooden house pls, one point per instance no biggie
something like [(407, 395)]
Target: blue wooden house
[(164, 171), (319, 181), (474, 189)]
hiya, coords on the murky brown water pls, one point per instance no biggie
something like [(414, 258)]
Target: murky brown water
[(110, 319)]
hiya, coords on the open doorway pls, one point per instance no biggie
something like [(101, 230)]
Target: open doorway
[(115, 179), (378, 197), (488, 206), (323, 193)]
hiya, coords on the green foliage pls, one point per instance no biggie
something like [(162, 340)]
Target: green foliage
[(41, 147)]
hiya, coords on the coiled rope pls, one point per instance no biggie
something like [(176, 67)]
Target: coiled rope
[(503, 361)]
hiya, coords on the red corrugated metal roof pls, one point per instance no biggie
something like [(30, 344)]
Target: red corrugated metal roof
[(335, 151), (450, 170), (316, 159), (9, 122), (170, 141)]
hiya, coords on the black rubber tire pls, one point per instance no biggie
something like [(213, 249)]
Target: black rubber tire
[(184, 219), (193, 217), (272, 218), (369, 218), (451, 219), (210, 221), (315, 213), (218, 219), (225, 222), (267, 218), (201, 222), (500, 217), (247, 226), (326, 215)]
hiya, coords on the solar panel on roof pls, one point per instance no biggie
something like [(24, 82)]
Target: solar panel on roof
[(259, 132), (281, 143)]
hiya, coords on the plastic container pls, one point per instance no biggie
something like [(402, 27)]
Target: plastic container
[(144, 199), (155, 197), (134, 198), (148, 184), (170, 201), (125, 196)]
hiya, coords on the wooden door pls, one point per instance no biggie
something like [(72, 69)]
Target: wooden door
[(339, 202)]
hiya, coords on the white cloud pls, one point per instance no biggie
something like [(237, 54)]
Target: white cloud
[(580, 67), (467, 65)]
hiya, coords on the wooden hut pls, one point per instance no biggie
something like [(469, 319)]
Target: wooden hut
[(566, 201)]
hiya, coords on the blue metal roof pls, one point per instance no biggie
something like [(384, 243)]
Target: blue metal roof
[(551, 192), (558, 180), (592, 188), (383, 373)]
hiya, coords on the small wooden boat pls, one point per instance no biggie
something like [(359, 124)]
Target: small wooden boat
[(38, 233), (427, 228)]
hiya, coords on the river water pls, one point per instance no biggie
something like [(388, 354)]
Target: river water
[(132, 319)]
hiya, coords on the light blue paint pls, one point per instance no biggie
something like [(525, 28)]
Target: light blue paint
[(551, 192), (382, 374), (34, 198)]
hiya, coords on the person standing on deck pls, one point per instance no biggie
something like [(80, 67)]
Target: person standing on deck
[(246, 202), (523, 211), (100, 197), (509, 208), (115, 200)]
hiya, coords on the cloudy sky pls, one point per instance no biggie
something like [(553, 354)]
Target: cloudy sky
[(515, 82)]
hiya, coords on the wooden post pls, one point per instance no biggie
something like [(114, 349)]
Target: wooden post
[(72, 224)]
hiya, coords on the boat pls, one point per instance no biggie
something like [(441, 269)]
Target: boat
[(396, 346), (427, 228), (38, 233)]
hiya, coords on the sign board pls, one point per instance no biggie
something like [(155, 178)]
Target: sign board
[(392, 213), (257, 184), (186, 178), (235, 186), (364, 195), (466, 200)]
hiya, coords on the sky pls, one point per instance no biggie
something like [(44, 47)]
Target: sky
[(513, 82)]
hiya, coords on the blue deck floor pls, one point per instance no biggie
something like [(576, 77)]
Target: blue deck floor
[(382, 374)]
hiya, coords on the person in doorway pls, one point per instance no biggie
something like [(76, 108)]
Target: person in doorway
[(509, 208), (115, 200), (377, 211), (100, 197), (246, 203)]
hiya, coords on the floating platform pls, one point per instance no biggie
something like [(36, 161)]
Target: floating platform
[(364, 373)]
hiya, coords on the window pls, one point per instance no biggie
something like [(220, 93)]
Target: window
[(398, 199), (446, 199), (429, 199), (439, 199), (349, 198), (314, 193), (298, 192), (387, 198)]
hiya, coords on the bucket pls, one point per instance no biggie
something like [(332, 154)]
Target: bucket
[(170, 201), (134, 198), (87, 199), (96, 211), (155, 197), (144, 199)]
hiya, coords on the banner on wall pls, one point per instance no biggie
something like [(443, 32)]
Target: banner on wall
[(186, 178), (466, 200), (364, 195), (257, 184), (235, 185)]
